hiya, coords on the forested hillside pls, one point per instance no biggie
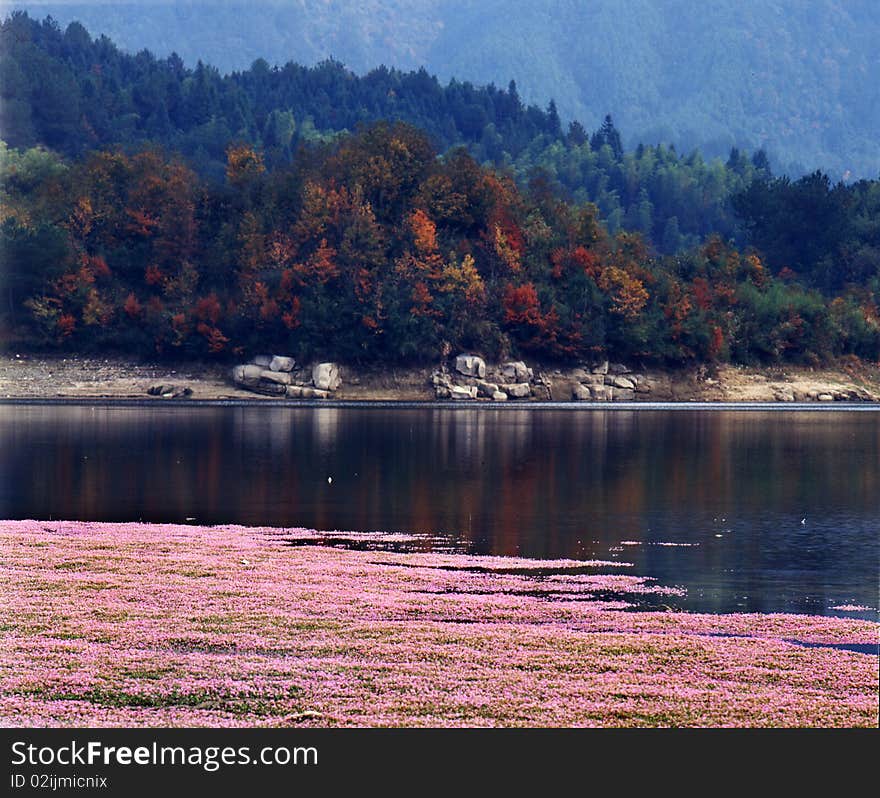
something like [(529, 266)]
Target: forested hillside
[(161, 209), (798, 79), (372, 248), (72, 94)]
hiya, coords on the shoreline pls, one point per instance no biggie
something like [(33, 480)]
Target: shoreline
[(29, 378), (135, 624), (384, 404)]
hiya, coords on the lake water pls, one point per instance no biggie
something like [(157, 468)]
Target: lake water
[(780, 511)]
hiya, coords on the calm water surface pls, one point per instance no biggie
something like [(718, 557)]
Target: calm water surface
[(781, 510)]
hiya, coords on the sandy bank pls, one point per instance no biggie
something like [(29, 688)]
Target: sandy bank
[(35, 376)]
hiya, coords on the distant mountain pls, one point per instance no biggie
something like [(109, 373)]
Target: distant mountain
[(801, 80)]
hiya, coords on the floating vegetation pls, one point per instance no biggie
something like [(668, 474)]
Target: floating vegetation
[(227, 626)]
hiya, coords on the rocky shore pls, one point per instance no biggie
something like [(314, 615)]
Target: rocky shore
[(463, 378)]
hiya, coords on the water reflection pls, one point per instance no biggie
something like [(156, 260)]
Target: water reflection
[(782, 509)]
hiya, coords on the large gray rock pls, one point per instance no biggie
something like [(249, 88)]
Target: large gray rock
[(623, 394), (825, 397), (517, 390), (499, 396), (581, 393), (463, 392), (247, 375), (643, 384), (262, 361), (600, 368), (305, 392), (325, 376), (516, 371), (593, 379), (282, 363), (601, 393), (279, 377), (470, 366), (623, 382), (486, 389), (619, 368)]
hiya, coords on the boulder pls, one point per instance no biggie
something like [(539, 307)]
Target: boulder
[(517, 390), (280, 377), (619, 368), (247, 375), (170, 391), (268, 388), (499, 396), (825, 397), (470, 366), (544, 386), (281, 363), (579, 375), (601, 393), (581, 393), (325, 376), (624, 383), (593, 379), (441, 391), (784, 395), (461, 392), (305, 392), (486, 389), (262, 361), (643, 384), (623, 394), (516, 371)]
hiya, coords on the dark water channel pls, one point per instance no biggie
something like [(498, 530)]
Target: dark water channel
[(780, 511)]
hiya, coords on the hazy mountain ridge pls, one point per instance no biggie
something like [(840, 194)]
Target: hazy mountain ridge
[(801, 81)]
